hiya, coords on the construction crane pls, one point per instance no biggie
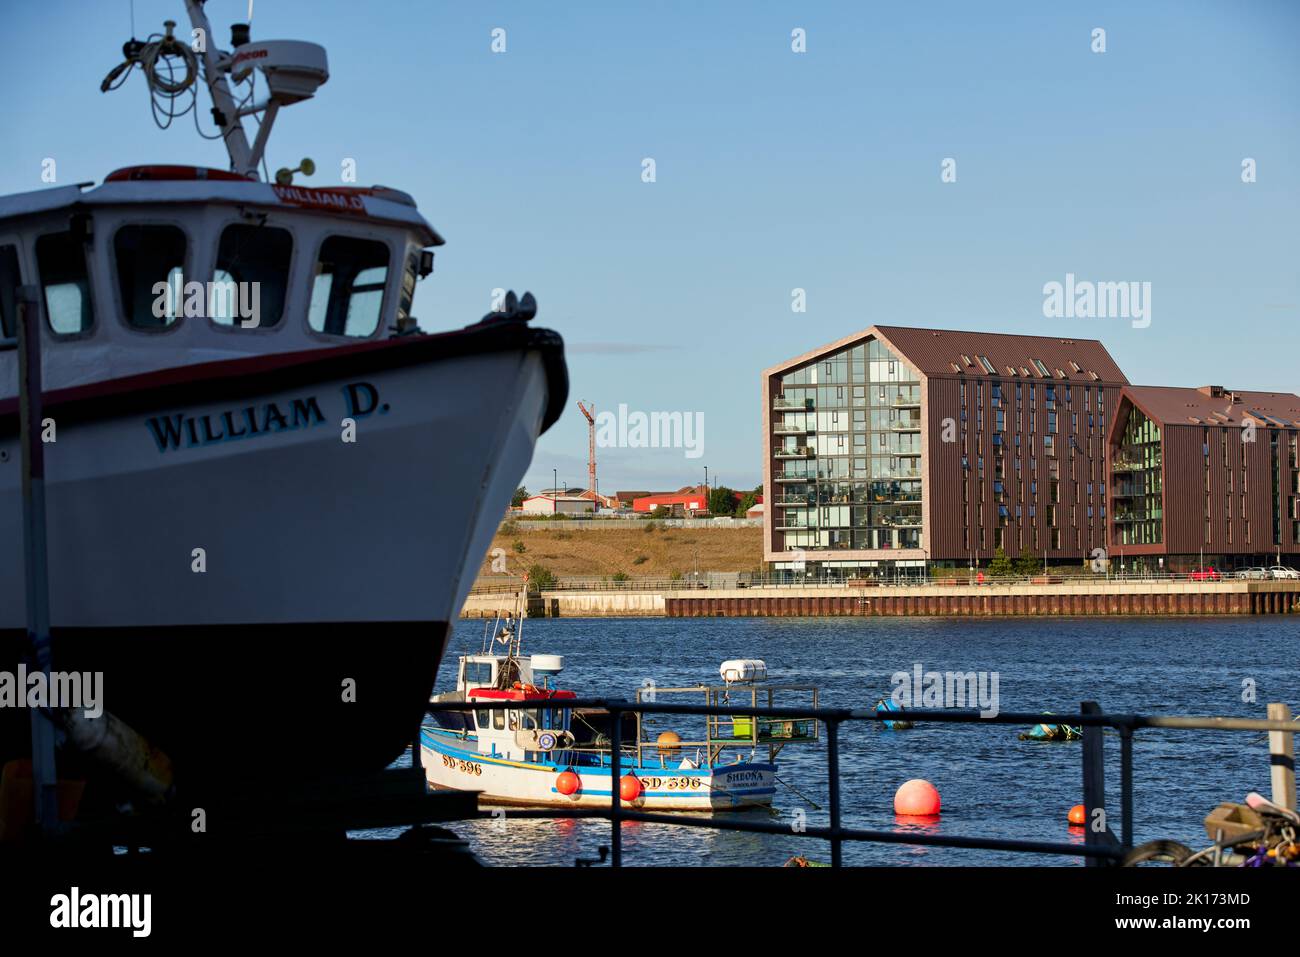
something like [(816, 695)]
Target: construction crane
[(591, 450)]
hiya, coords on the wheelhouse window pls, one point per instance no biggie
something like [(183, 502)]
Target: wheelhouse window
[(150, 274), (9, 283), (347, 295), (252, 276), (65, 282)]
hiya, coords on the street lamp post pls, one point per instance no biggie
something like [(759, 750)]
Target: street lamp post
[(555, 480)]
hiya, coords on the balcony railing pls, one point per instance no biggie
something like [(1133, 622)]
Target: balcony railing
[(806, 405), (796, 452), (1127, 517), (1134, 465), (900, 521)]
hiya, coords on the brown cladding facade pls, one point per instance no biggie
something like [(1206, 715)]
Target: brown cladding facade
[(1012, 449), (1227, 473)]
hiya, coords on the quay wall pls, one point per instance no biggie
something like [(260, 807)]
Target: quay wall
[(1022, 599)]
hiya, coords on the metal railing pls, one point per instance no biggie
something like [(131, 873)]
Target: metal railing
[(1100, 847)]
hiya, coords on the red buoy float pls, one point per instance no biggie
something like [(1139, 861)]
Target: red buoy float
[(568, 783), (1078, 815), (917, 798), (629, 787)]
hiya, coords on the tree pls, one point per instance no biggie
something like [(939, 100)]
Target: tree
[(722, 501), (517, 500), (1028, 564), (1000, 566), (540, 578)]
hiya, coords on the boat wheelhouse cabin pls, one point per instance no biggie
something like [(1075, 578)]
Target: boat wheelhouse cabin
[(168, 265)]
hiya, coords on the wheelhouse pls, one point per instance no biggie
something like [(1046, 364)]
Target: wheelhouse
[(165, 266)]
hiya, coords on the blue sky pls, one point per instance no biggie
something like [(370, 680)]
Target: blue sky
[(775, 170)]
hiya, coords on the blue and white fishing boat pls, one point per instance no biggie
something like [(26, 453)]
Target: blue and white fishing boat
[(543, 752)]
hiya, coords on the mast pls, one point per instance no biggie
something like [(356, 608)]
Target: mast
[(242, 158)]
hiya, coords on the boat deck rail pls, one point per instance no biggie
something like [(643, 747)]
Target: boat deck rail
[(738, 728), (1101, 846)]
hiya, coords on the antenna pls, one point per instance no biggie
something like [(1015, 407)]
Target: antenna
[(293, 71)]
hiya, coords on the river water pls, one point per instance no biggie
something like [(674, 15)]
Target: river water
[(992, 784)]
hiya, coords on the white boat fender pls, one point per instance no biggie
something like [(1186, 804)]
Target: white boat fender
[(744, 669)]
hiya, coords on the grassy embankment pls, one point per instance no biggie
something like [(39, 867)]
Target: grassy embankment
[(639, 550)]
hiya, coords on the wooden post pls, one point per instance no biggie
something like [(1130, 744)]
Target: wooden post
[(1094, 787), (1281, 758)]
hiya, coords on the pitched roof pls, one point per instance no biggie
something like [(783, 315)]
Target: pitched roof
[(950, 352), (946, 352), (1214, 405)]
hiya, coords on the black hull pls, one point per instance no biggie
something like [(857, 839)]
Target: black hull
[(237, 707)]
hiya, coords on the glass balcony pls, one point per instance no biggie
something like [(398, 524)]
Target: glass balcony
[(791, 525), (793, 452)]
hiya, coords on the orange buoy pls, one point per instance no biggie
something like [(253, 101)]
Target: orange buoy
[(568, 783), (668, 741), (1078, 815), (917, 798), (629, 787)]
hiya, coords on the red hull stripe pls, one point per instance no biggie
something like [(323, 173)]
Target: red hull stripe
[(253, 375)]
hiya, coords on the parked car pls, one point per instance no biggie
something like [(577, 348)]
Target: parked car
[(1281, 571), (1207, 574), (1255, 573)]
